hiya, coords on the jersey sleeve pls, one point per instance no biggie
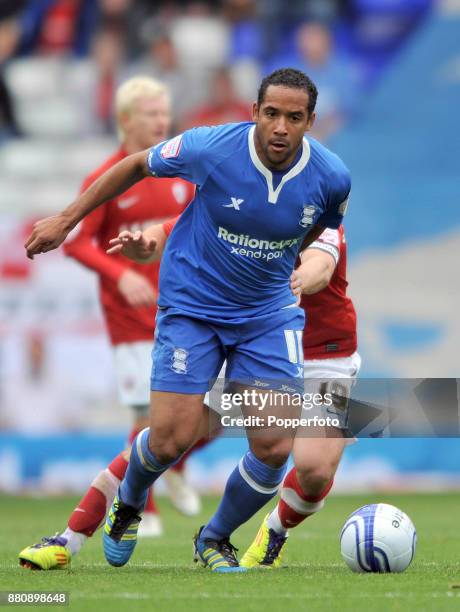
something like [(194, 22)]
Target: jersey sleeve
[(328, 241), (337, 201), (168, 225), (186, 156)]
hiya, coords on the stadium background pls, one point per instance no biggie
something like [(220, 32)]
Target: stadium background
[(389, 78)]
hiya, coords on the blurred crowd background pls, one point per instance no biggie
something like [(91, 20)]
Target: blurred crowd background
[(388, 73), (61, 60)]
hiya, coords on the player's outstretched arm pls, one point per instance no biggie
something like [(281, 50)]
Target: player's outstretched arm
[(142, 247), (314, 273), (49, 233)]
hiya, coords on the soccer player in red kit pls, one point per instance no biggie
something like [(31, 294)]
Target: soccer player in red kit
[(56, 552), (331, 363)]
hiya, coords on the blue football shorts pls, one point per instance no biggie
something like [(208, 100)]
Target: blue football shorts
[(261, 351)]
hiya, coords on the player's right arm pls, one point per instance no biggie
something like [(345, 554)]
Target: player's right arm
[(49, 233), (83, 245), (179, 157)]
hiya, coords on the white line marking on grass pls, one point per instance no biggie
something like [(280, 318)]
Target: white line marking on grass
[(321, 595)]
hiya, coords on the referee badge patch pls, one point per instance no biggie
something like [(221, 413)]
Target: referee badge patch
[(172, 147)]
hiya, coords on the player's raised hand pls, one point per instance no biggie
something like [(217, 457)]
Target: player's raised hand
[(47, 234), (135, 246), (136, 289)]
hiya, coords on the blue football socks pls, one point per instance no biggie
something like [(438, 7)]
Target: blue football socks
[(143, 469), (249, 487)]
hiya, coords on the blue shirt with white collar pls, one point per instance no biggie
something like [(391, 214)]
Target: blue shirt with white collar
[(231, 254)]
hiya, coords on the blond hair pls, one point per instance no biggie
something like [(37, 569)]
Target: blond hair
[(130, 91)]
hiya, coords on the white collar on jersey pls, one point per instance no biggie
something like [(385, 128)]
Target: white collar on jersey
[(294, 171)]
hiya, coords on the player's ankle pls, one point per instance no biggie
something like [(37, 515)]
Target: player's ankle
[(75, 540), (274, 522)]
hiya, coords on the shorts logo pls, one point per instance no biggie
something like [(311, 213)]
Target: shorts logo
[(171, 148), (308, 213), (287, 388), (259, 383), (179, 361)]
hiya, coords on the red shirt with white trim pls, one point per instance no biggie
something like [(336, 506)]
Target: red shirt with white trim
[(331, 318), (147, 202)]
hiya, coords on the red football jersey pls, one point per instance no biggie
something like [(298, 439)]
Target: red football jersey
[(168, 225), (331, 318), (148, 201)]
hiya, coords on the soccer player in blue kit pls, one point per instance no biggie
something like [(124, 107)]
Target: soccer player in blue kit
[(264, 191)]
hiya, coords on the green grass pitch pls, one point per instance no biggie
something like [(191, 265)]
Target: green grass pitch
[(161, 575)]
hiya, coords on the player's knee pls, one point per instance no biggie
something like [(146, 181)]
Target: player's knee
[(165, 453), (141, 422), (274, 453), (314, 478), (169, 448)]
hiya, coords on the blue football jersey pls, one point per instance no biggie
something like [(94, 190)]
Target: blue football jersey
[(231, 253)]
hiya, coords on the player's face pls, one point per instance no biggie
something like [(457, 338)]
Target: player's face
[(281, 121), (148, 122)]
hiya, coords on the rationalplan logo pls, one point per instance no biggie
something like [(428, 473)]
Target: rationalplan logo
[(244, 244)]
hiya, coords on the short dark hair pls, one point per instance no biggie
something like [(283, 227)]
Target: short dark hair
[(290, 77)]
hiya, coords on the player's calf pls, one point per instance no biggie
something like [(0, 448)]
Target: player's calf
[(314, 480), (294, 507), (295, 504)]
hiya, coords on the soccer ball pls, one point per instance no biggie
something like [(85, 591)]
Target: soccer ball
[(378, 538)]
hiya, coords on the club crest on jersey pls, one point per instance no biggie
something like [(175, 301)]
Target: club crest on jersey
[(308, 212), (179, 361)]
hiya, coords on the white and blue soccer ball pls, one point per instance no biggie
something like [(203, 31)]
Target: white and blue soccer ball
[(378, 538)]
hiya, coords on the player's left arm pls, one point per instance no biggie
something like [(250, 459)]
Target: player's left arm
[(314, 273), (141, 247), (338, 195), (312, 236), (317, 263)]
